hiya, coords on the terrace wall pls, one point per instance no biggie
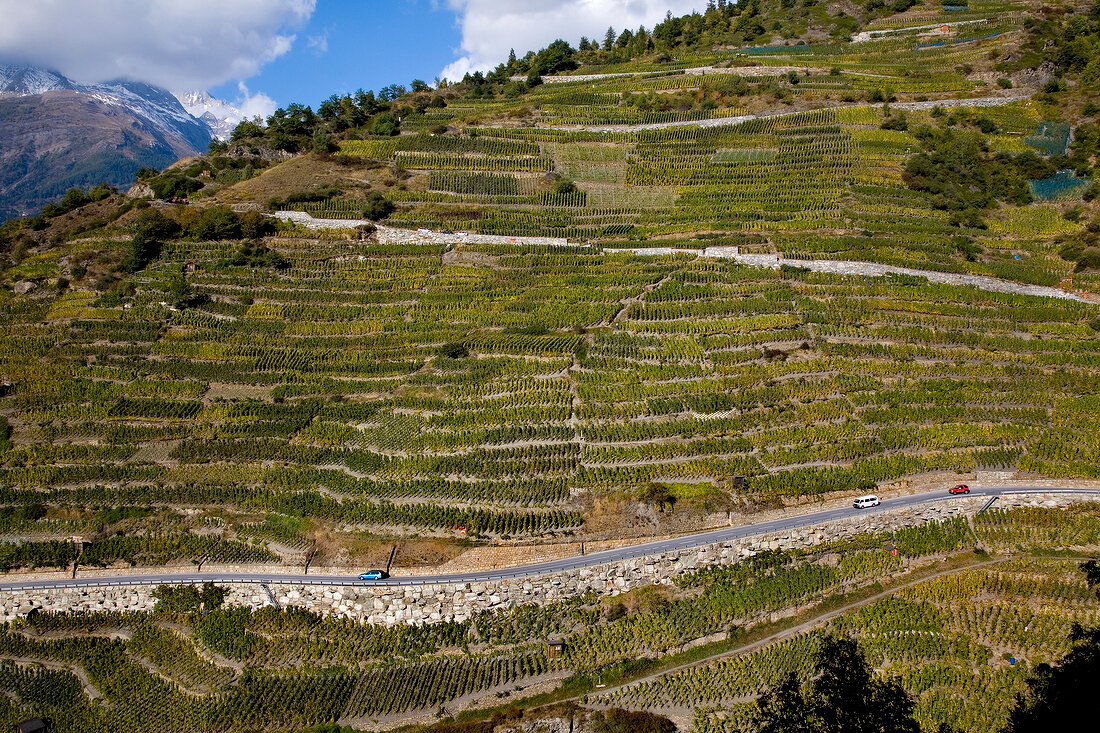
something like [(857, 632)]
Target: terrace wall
[(429, 603)]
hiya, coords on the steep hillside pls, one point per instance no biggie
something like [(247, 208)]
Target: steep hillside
[(960, 633), (743, 266), (572, 344), (821, 151)]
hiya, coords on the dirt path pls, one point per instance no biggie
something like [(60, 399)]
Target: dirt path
[(838, 267), (204, 651), (870, 269), (1008, 97), (425, 716), (800, 628), (693, 71), (627, 302)]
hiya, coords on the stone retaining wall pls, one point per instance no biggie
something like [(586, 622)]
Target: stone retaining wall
[(396, 235), (429, 603)]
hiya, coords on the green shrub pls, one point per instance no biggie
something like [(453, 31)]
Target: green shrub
[(188, 598), (217, 222), (378, 207), (174, 184)]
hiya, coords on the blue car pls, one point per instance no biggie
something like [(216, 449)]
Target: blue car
[(373, 575)]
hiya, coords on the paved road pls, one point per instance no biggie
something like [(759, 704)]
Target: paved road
[(543, 568)]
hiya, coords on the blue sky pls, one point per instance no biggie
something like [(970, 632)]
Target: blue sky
[(263, 53), (344, 45), (349, 44)]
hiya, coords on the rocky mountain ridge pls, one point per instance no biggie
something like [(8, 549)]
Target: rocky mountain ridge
[(220, 116), (56, 133)]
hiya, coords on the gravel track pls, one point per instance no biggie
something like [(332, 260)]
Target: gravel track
[(870, 269), (1008, 97), (393, 235)]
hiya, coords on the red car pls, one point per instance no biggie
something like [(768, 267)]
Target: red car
[(960, 489)]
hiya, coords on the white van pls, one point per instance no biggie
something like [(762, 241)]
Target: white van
[(864, 502)]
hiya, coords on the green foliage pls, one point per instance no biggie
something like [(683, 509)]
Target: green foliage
[(556, 57), (50, 554), (895, 122), (174, 184), (564, 186), (75, 198), (255, 254), (377, 207), (456, 350), (189, 598), (384, 124), (657, 495), (322, 142), (245, 130), (962, 174), (217, 222), (151, 223), (1083, 249), (143, 250), (179, 291), (254, 225), (320, 193), (841, 696)]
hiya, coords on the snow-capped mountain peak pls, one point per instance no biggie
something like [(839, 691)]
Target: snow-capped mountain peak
[(18, 80), (153, 104), (220, 116), (58, 133)]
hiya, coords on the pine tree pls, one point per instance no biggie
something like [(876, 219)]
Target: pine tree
[(843, 696)]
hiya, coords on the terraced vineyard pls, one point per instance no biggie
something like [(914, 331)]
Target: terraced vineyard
[(229, 383), (824, 182), (782, 183), (963, 645), (376, 387), (949, 639)]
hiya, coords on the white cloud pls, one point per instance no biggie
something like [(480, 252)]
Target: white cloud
[(318, 44), (491, 27), (253, 105), (177, 44)]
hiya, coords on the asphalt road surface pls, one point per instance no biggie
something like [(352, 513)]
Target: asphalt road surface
[(543, 568)]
